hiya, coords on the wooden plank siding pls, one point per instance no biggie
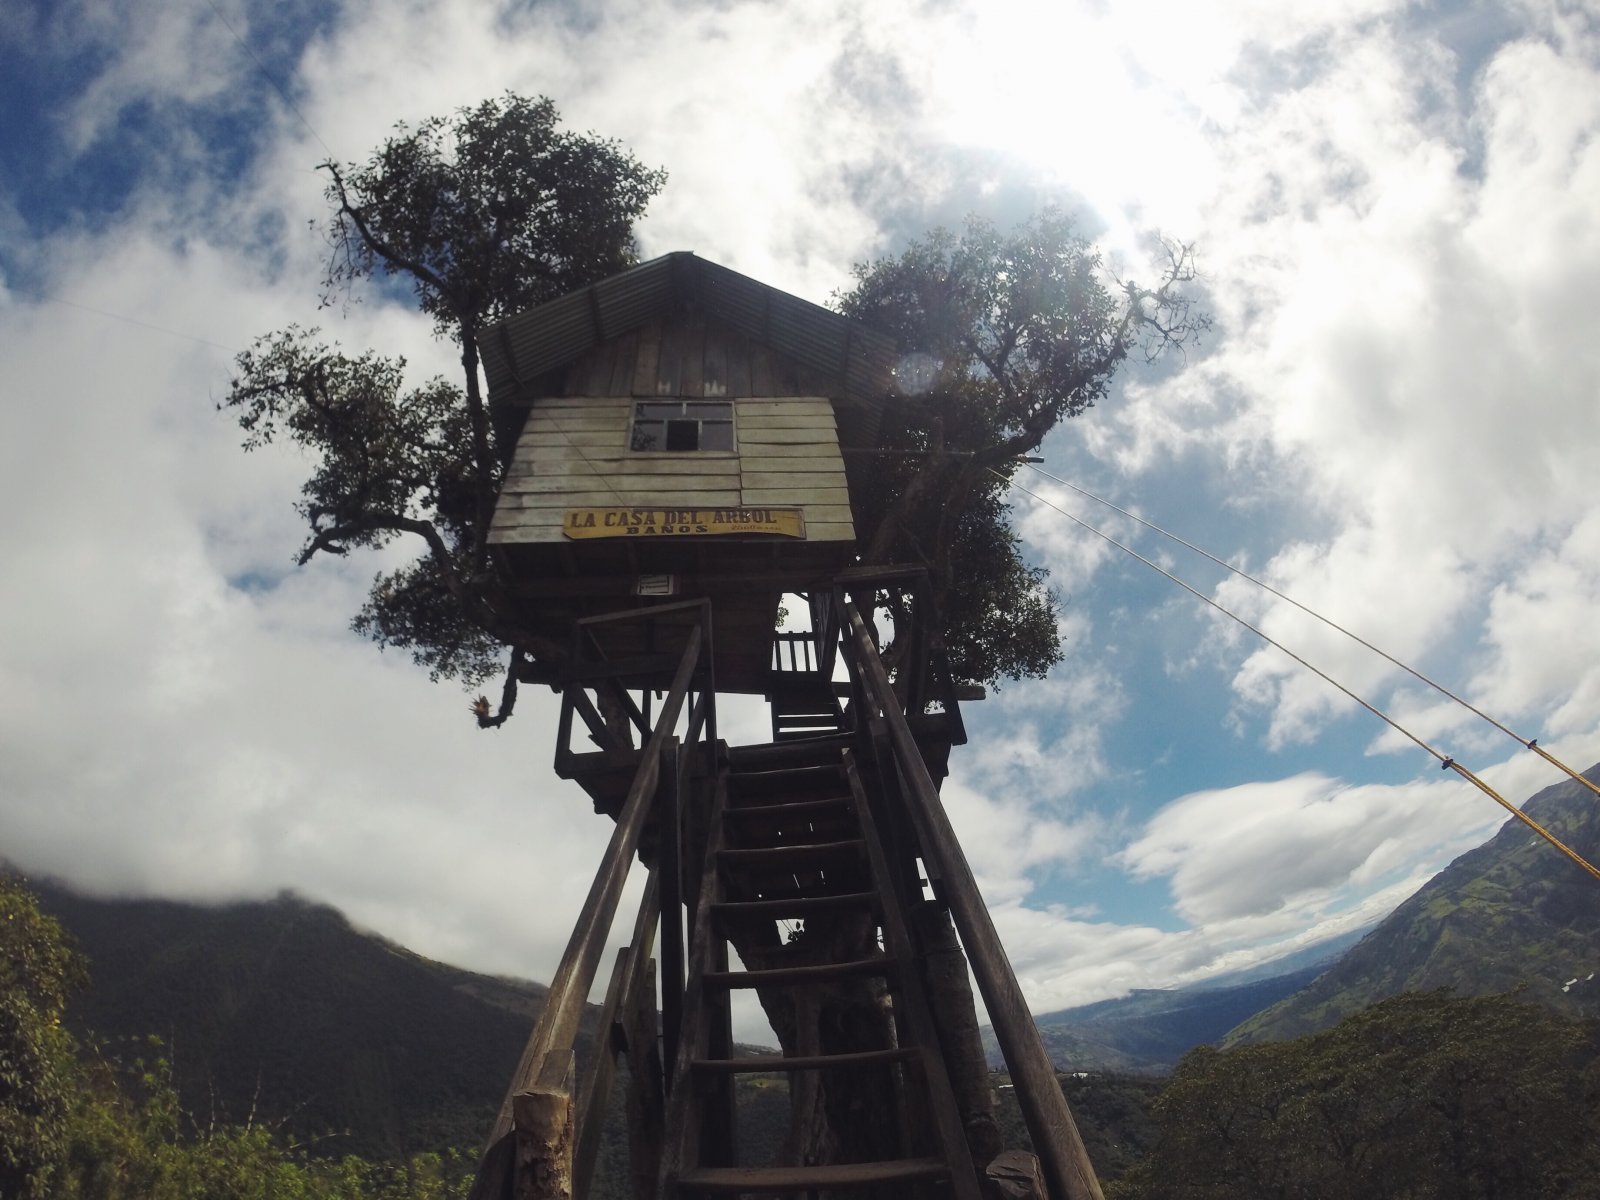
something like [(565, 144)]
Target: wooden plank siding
[(693, 355), (573, 454), (573, 450)]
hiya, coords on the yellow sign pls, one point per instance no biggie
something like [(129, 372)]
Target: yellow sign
[(683, 522)]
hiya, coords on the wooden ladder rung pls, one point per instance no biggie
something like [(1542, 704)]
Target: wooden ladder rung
[(736, 1180), (783, 976), (796, 906), (811, 1062), (799, 854), (789, 810), (768, 762)]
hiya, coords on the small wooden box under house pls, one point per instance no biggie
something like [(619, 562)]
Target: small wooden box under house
[(680, 431)]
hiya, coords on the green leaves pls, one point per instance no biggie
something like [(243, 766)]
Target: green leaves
[(1423, 1096), (39, 969), (1023, 332), (489, 211), (380, 453)]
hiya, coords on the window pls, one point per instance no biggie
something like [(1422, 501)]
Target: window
[(681, 425)]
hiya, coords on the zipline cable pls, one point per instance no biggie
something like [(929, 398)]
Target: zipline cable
[(268, 76), (1526, 743), (1446, 763)]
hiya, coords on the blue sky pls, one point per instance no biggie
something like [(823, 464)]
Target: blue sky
[(1395, 421)]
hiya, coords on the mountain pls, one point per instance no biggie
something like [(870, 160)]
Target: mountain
[(1512, 914), (283, 1010), (1149, 1030), (1321, 955)]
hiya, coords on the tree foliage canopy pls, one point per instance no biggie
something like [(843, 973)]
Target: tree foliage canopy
[(1425, 1096), (1007, 336), (488, 211), (39, 969), (495, 209)]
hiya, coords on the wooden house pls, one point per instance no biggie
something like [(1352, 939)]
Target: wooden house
[(680, 431)]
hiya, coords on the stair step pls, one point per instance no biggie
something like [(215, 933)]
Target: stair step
[(801, 854), (794, 809), (768, 758), (807, 777), (768, 1063), (737, 1180), (786, 976), (796, 907)]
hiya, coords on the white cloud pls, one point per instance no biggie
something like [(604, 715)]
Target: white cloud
[(1404, 358), (1299, 848), (1399, 405)]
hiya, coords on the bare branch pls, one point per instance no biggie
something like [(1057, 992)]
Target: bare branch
[(377, 246)]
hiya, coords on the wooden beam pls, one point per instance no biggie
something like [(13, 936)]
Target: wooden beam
[(557, 1027), (1050, 1125), (614, 1015), (542, 1118), (646, 1086)]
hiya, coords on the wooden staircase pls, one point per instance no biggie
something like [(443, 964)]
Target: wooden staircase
[(807, 860), (800, 689), (796, 875)]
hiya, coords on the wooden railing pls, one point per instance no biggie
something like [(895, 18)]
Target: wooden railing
[(1055, 1135), (544, 1140)]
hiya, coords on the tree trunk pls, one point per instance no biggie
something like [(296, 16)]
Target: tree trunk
[(944, 972), (838, 1115)]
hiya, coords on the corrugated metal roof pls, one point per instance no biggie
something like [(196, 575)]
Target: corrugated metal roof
[(522, 348)]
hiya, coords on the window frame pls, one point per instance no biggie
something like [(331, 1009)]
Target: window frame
[(683, 403)]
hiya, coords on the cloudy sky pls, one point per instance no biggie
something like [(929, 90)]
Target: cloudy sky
[(1395, 421)]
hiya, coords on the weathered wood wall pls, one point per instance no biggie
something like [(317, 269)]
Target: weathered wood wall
[(573, 450), (689, 356)]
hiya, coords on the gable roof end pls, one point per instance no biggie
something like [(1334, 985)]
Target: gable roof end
[(524, 347)]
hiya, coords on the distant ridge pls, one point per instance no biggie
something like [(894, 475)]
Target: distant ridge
[(1147, 1031), (1512, 914), (281, 1009)]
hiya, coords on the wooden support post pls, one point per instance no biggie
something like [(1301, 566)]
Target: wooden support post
[(646, 1092), (955, 1017), (1055, 1135), (542, 1120), (669, 827), (1015, 1175), (557, 1026)]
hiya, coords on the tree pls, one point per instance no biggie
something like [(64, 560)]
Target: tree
[(130, 1139), (486, 212), (39, 969), (494, 209), (1423, 1096), (1008, 335)]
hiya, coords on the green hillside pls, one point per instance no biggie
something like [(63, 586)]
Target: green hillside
[(280, 1008), (1512, 914)]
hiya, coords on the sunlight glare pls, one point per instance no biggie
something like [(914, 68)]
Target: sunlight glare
[(1091, 104)]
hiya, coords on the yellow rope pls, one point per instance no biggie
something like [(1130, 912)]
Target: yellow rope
[(1516, 812)]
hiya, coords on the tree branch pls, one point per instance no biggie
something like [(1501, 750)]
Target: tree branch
[(376, 245)]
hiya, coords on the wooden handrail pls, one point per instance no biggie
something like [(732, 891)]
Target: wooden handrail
[(1055, 1135), (557, 1027), (622, 992)]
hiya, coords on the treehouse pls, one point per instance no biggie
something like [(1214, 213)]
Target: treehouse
[(680, 431), (680, 444)]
